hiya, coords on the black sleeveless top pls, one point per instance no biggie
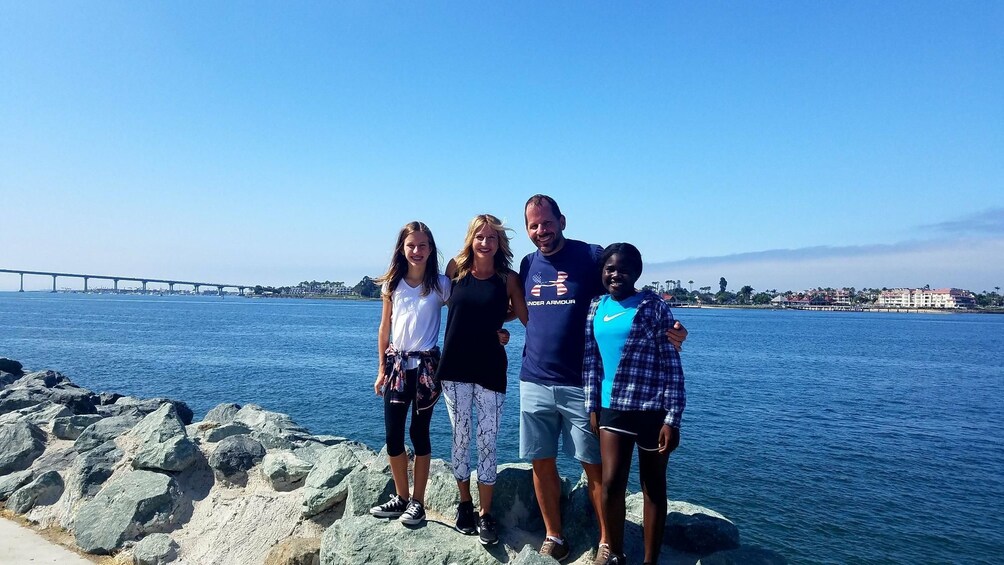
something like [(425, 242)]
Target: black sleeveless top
[(471, 349)]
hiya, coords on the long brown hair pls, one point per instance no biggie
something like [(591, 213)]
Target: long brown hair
[(399, 263), (503, 256)]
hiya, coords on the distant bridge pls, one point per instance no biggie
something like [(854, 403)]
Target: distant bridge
[(115, 280)]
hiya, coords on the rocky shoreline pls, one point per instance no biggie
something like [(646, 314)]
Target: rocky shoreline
[(139, 480)]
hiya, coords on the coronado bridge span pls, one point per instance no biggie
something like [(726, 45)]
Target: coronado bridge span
[(115, 281)]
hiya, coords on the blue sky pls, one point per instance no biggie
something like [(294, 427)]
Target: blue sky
[(781, 145)]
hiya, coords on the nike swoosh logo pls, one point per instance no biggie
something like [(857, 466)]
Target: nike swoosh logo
[(608, 318)]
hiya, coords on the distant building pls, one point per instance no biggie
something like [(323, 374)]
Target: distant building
[(926, 298)]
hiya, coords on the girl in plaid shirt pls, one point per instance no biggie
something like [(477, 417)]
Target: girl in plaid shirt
[(634, 392)]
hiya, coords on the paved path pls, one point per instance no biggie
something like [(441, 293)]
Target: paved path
[(23, 546)]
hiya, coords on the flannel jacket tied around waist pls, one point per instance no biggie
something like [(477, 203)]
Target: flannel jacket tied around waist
[(427, 388), (649, 374)]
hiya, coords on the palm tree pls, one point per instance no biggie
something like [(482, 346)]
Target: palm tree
[(691, 283)]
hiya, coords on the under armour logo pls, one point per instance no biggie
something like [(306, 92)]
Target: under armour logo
[(558, 284)]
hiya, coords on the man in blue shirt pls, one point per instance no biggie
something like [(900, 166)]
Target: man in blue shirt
[(560, 280)]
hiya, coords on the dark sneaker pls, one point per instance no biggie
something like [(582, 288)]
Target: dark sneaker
[(466, 522), (414, 514), (390, 509), (486, 530), (557, 551)]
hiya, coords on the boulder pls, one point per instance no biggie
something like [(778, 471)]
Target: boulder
[(441, 494), (129, 506), (12, 482), (514, 503), (106, 398), (234, 456), (220, 433), (272, 429), (164, 444), (284, 470), (91, 469), (690, 527), (140, 408), (70, 427), (155, 549), (223, 413), (11, 366), (39, 414), (295, 551), (35, 388), (326, 485), (745, 555), (103, 430), (20, 444), (44, 490), (530, 556), (7, 379), (362, 539), (367, 488), (175, 454)]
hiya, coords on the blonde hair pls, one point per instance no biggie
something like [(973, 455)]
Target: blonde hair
[(399, 263), (503, 256)]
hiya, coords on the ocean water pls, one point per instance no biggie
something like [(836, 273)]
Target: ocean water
[(829, 437)]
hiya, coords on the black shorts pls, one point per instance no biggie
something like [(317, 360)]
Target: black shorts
[(642, 425)]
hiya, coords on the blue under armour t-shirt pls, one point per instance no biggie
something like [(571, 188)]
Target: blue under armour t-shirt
[(611, 327), (559, 288)]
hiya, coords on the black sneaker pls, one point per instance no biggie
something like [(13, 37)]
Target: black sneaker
[(466, 522), (486, 530), (414, 514), (390, 509), (557, 551)]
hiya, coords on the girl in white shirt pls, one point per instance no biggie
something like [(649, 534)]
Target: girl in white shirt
[(413, 297)]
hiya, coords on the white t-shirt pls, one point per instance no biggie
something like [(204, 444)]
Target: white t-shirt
[(414, 321)]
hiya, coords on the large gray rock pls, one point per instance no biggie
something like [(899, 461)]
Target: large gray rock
[(367, 488), (284, 470), (223, 413), (361, 539), (130, 505), (295, 551), (7, 379), (514, 503), (14, 368), (530, 556), (164, 445), (272, 429), (175, 454), (70, 427), (140, 408), (746, 555), (326, 485), (44, 490), (441, 493), (234, 456), (155, 549), (220, 433), (39, 414), (91, 469), (20, 444), (12, 482), (41, 386), (689, 527), (103, 430)]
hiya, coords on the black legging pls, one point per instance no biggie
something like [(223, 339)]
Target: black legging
[(395, 415)]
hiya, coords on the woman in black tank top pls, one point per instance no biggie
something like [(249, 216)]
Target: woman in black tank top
[(473, 365)]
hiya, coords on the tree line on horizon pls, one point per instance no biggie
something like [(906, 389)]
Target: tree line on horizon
[(671, 289)]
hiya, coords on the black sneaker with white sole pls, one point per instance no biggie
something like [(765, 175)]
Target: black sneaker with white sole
[(393, 508), (486, 530), (414, 514), (466, 522)]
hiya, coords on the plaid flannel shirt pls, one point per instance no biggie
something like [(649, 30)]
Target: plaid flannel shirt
[(649, 375)]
